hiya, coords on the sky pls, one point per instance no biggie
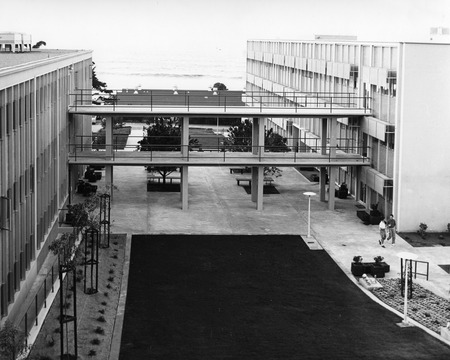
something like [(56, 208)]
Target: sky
[(214, 28)]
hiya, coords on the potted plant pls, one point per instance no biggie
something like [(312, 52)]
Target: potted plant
[(378, 269), (375, 215), (357, 267)]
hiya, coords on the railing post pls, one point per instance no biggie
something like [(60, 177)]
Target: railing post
[(225, 105), (331, 104), (45, 292), (26, 328), (36, 307), (53, 289)]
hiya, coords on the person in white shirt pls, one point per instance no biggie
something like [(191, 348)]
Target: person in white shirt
[(382, 227)]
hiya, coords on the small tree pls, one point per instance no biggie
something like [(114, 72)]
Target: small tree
[(39, 44), (96, 83), (12, 341), (240, 138), (220, 86), (163, 135)]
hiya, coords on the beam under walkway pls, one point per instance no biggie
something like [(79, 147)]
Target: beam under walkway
[(223, 112)]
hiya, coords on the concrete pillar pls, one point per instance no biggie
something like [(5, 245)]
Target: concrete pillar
[(109, 178), (333, 169), (255, 137), (109, 153), (109, 136), (323, 170), (185, 137), (257, 186), (184, 188), (260, 188)]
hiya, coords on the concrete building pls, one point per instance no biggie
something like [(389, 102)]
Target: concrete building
[(35, 92), (406, 134)]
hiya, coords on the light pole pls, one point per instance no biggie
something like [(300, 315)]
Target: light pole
[(406, 256), (309, 194)]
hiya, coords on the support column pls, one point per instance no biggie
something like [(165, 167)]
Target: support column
[(257, 186), (109, 136), (109, 176), (323, 170), (184, 188), (333, 169), (185, 137), (109, 172)]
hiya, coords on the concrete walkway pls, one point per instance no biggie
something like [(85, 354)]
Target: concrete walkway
[(218, 206)]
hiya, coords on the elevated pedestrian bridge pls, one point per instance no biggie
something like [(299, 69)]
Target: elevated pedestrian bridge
[(83, 155), (325, 107), (222, 104)]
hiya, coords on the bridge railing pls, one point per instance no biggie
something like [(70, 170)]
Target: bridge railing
[(225, 99), (83, 149)]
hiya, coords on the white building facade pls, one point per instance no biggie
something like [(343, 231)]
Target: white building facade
[(405, 136), (35, 93)]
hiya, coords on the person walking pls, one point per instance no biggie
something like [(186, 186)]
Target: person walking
[(391, 225), (382, 227)]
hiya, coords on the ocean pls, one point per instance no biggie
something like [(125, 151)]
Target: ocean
[(145, 69)]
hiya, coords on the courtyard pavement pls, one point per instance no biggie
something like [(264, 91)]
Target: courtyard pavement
[(217, 205)]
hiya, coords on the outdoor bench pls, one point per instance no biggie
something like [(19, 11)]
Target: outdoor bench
[(170, 179), (268, 180)]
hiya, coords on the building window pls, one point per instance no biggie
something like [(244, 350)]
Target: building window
[(362, 192)]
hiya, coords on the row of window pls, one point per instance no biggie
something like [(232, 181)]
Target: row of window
[(383, 56)]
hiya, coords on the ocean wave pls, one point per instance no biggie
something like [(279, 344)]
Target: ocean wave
[(168, 75)]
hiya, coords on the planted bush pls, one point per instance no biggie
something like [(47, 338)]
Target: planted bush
[(99, 330)]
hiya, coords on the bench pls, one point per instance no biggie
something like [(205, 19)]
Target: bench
[(268, 180), (153, 178), (238, 170)]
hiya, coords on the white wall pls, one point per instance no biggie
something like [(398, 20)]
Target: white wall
[(422, 163)]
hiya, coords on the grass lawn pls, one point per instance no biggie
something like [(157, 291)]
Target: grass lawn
[(120, 138), (254, 297)]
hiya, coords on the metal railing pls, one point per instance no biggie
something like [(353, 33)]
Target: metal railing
[(224, 151), (156, 99), (418, 273), (31, 316)]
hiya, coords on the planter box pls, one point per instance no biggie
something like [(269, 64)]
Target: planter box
[(364, 216), (357, 269), (385, 266), (377, 270), (367, 267)]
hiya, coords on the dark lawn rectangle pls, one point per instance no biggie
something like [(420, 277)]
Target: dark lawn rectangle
[(254, 297)]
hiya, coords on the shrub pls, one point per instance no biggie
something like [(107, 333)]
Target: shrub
[(357, 259), (95, 341), (422, 230), (111, 271), (99, 330), (57, 330), (101, 319), (111, 278), (91, 291), (106, 293), (104, 303), (101, 311), (378, 259), (92, 353), (108, 286), (49, 341), (12, 341)]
